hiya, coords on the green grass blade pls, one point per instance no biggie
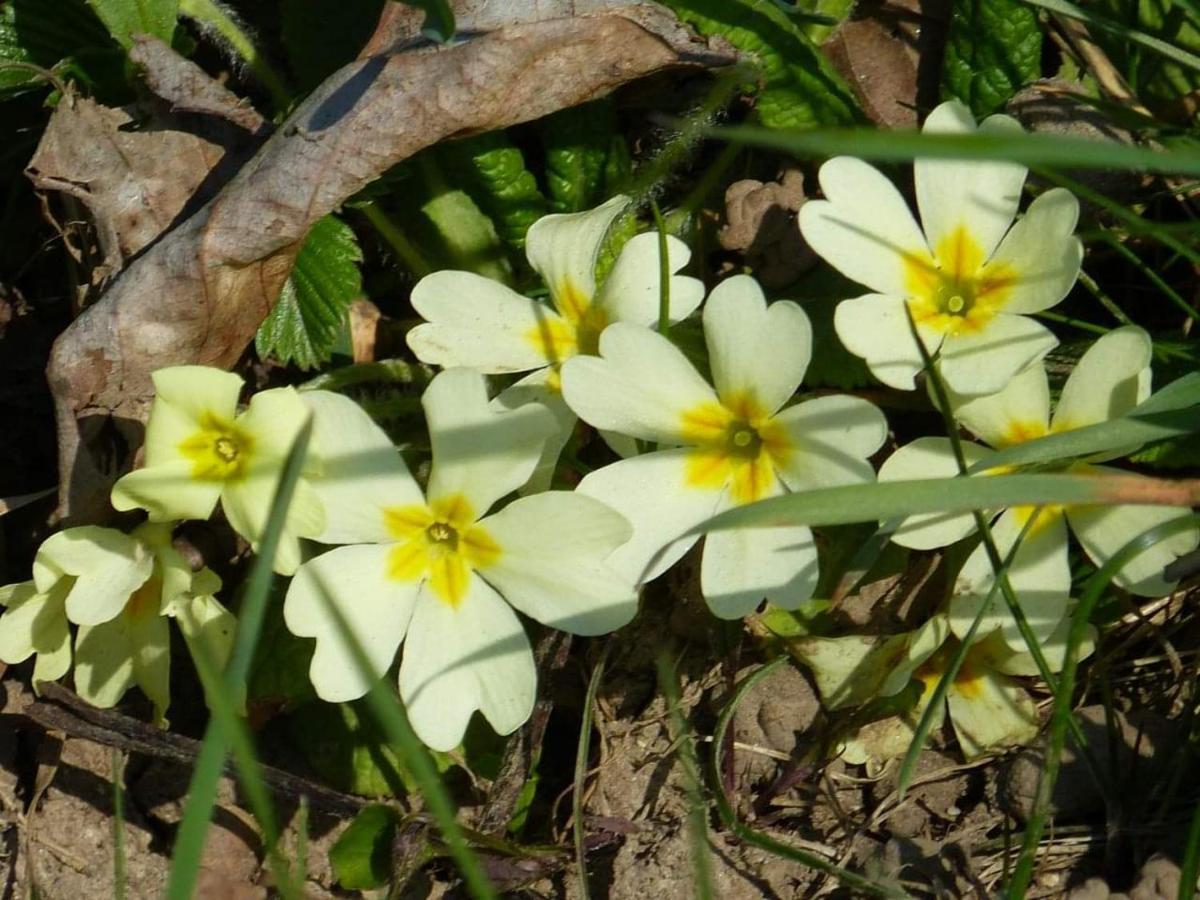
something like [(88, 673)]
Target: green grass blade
[(1100, 23), (898, 499), (681, 736), (1062, 713), (582, 752), (118, 787), (232, 732), (1189, 868), (908, 766), (1169, 413), (900, 146), (392, 718), (202, 792), (765, 842)]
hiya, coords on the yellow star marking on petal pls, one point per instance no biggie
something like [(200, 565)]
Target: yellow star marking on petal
[(1046, 515), (575, 330), (219, 451), (735, 443), (440, 542), (955, 291), (1018, 432)]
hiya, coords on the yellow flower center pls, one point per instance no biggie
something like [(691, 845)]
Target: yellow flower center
[(575, 330), (219, 451), (440, 542), (956, 291), (735, 443)]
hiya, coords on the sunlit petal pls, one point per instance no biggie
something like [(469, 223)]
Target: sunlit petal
[(466, 657), (757, 352)]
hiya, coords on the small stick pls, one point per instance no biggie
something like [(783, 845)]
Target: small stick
[(64, 711)]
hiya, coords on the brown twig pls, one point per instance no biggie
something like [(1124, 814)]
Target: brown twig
[(62, 710)]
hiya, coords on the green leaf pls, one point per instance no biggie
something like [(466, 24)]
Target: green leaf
[(800, 88), (125, 18), (439, 19), (348, 750), (833, 12), (468, 237), (304, 324), (1155, 44), (993, 49), (362, 856), (1174, 453), (492, 169), (319, 41), (577, 143), (44, 34)]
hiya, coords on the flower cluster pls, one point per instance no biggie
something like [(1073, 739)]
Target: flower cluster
[(428, 578)]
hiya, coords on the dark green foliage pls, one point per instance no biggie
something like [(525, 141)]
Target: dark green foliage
[(578, 143), (994, 47), (800, 88), (347, 749), (304, 324), (321, 37), (1160, 83), (492, 170), (45, 34), (125, 18)]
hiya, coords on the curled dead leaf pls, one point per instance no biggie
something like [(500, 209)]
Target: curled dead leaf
[(198, 293)]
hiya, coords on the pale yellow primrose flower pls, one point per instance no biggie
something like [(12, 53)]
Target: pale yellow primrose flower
[(1110, 379), (731, 446), (438, 573), (199, 449), (120, 589), (968, 279), (478, 323), (988, 708)]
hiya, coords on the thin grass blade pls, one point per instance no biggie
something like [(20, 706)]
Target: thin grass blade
[(202, 792)]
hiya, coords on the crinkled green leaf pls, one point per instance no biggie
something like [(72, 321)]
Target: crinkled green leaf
[(624, 227), (800, 88), (125, 18), (303, 326), (993, 49), (833, 10), (44, 33), (1175, 453), (318, 43), (492, 169), (362, 856), (577, 143)]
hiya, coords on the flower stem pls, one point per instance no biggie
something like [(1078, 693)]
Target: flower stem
[(209, 14)]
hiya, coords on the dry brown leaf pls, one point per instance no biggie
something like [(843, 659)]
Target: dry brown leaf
[(135, 183), (198, 294), (891, 53)]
